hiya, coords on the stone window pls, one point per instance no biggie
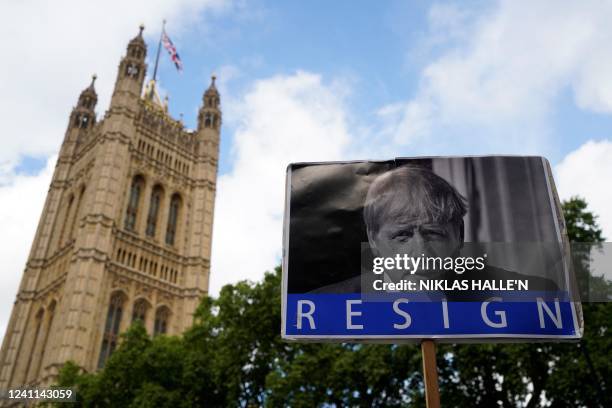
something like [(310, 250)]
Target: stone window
[(173, 214), (156, 196), (66, 220), (75, 217), (111, 327), (82, 121), (162, 315), (39, 321), (140, 310), (50, 314), (134, 201)]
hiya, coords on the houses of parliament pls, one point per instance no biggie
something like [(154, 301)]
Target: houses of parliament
[(125, 233)]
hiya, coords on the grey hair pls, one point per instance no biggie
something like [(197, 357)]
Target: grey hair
[(412, 193)]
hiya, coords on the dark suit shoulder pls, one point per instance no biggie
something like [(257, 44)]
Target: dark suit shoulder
[(538, 283), (351, 285)]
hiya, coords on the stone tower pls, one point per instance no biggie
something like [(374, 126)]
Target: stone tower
[(125, 232)]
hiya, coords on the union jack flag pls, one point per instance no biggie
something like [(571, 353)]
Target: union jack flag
[(172, 51)]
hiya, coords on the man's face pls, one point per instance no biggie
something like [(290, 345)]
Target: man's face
[(415, 238)]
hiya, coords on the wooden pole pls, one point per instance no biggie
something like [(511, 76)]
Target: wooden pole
[(430, 374)]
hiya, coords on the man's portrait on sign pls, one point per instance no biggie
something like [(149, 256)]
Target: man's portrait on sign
[(429, 208), (446, 248)]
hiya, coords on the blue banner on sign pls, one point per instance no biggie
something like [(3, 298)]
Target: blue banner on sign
[(320, 316)]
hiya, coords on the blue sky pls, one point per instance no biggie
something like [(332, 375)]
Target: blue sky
[(311, 81), (354, 40), (381, 49)]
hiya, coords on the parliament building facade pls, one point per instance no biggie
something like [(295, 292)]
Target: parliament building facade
[(125, 233)]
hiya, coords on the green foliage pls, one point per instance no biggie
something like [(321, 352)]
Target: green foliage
[(565, 374), (581, 224), (233, 356)]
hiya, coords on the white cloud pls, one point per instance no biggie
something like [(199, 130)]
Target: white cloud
[(21, 203), (283, 119), (587, 172), (501, 74), (497, 80), (493, 86), (52, 48)]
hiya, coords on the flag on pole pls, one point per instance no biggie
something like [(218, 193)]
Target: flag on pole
[(172, 51)]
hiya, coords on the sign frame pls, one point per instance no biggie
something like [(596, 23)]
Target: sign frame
[(575, 306)]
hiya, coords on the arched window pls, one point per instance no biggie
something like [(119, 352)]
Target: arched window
[(111, 327), (162, 316), (38, 323), (65, 220), (208, 120), (173, 214), (50, 315), (156, 196), (82, 120), (134, 201), (139, 312), (75, 217)]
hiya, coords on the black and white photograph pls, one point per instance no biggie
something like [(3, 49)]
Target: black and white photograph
[(340, 216)]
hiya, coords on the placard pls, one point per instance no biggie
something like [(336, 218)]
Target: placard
[(448, 248)]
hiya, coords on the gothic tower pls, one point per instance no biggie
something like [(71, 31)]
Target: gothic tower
[(125, 232)]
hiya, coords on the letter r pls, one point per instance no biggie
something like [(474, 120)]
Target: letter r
[(301, 314)]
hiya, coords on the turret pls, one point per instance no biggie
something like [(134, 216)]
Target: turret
[(209, 122), (131, 74), (83, 115), (209, 116), (82, 118)]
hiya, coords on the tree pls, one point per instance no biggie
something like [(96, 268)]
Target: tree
[(233, 356), (564, 374), (581, 224)]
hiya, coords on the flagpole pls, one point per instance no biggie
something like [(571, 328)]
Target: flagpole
[(158, 50)]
